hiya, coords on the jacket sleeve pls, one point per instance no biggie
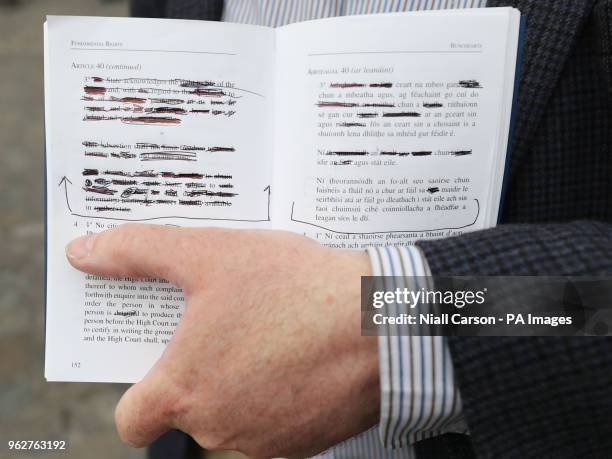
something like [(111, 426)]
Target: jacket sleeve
[(536, 396)]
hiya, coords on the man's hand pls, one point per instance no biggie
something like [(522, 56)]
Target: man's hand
[(268, 358)]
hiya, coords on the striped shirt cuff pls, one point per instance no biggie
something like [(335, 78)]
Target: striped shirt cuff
[(419, 397)]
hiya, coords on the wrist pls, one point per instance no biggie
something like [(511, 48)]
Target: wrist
[(358, 354)]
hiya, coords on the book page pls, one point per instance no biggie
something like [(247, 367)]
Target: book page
[(158, 121), (396, 129)]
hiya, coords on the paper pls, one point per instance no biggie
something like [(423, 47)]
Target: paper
[(355, 131)]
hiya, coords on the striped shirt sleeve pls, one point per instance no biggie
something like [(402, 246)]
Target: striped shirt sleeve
[(419, 396)]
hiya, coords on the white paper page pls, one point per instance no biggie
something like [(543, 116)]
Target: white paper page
[(395, 129), (166, 122)]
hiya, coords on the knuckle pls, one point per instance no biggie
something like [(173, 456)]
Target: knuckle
[(214, 442), (175, 404), (179, 401), (257, 450), (212, 431), (174, 412)]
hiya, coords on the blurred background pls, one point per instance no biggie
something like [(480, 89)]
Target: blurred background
[(31, 408)]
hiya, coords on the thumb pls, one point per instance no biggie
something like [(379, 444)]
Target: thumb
[(135, 250), (146, 410)]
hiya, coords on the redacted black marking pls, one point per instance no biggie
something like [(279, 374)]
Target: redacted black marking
[(345, 124), (132, 191), (125, 100), (469, 84), (150, 120), (99, 189), (88, 143), (145, 174), (155, 100), (131, 100), (401, 115), (383, 105), (103, 109), (381, 85), (395, 153), (192, 148), (346, 85), (112, 209), (227, 113), (347, 153), (367, 115), (337, 104), (432, 105), (216, 149), (421, 153), (123, 182), (433, 189), (123, 155), (96, 198), (95, 90), (188, 202), (100, 118), (147, 145), (196, 84), (462, 152), (173, 110), (120, 173), (189, 175), (220, 194), (168, 156), (208, 92), (145, 201), (164, 174), (150, 174)]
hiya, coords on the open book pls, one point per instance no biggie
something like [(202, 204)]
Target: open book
[(355, 131)]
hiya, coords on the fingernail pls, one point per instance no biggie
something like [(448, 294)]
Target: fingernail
[(80, 247)]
